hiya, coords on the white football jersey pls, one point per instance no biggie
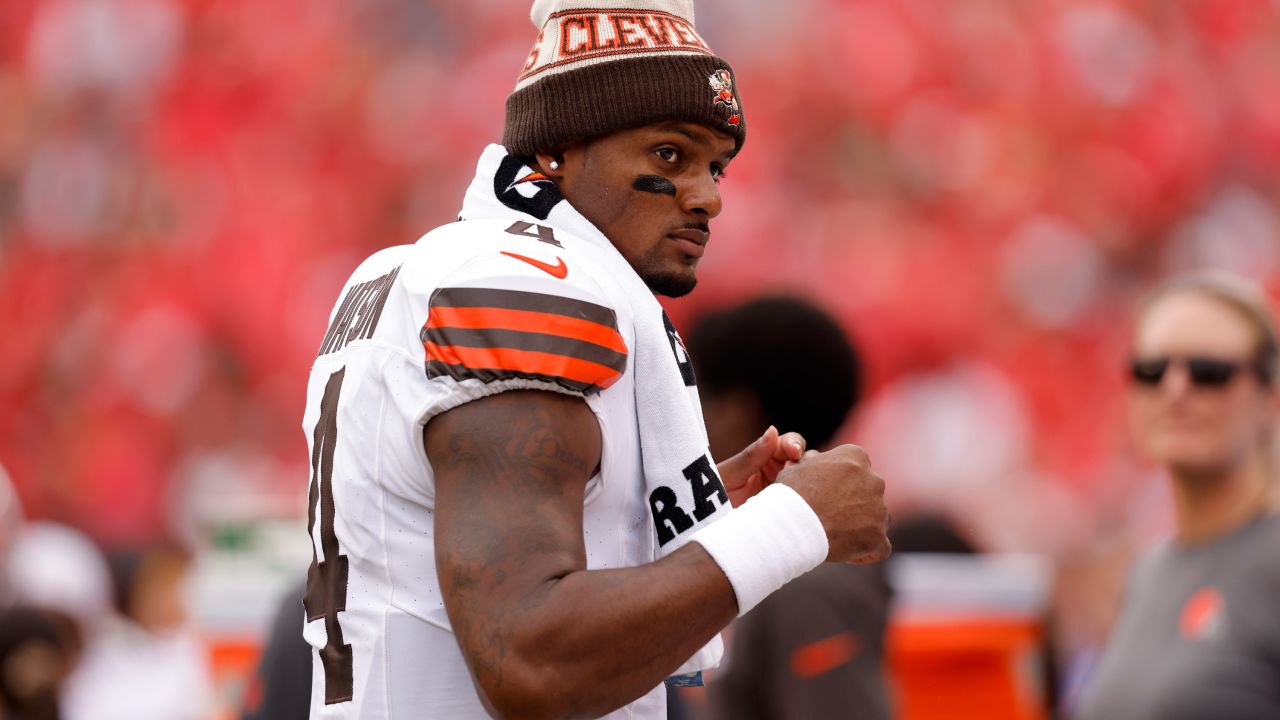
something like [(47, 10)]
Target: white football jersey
[(472, 309)]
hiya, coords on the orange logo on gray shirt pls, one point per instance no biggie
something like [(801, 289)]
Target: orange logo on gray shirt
[(1203, 615)]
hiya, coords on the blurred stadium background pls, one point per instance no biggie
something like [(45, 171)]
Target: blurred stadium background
[(979, 190)]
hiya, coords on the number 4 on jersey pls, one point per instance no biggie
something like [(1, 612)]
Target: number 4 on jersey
[(327, 580), (537, 232)]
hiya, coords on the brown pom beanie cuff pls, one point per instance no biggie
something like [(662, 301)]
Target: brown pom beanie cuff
[(601, 66), (601, 99)]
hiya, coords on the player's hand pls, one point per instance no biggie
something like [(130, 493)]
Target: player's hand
[(758, 465), (848, 496)]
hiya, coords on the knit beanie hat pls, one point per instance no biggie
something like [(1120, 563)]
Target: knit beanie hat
[(600, 66)]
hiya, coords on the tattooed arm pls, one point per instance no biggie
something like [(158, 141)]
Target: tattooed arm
[(544, 637)]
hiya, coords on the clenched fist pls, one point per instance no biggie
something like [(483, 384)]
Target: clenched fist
[(848, 497)]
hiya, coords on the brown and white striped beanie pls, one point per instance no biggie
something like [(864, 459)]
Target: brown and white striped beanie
[(600, 66)]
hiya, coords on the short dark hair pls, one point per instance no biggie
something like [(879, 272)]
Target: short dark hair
[(790, 354)]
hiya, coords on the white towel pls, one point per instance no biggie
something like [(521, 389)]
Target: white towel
[(681, 480), (684, 488)]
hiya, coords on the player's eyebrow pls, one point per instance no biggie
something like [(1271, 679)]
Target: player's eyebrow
[(698, 138), (702, 139)]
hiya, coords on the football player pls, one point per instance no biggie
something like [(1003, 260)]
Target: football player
[(513, 507)]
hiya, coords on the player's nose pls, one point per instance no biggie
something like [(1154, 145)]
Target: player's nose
[(701, 196)]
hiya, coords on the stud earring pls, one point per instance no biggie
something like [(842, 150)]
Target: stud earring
[(554, 165)]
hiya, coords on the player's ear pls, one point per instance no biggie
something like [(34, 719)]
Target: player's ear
[(551, 163)]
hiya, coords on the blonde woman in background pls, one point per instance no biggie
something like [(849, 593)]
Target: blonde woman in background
[(1199, 633)]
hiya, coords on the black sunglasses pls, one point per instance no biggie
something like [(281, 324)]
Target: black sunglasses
[(1204, 372)]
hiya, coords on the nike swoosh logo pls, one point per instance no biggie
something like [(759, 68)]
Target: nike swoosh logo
[(560, 271)]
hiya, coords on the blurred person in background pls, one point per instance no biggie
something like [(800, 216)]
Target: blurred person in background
[(57, 568), (815, 648), (37, 653), (57, 593), (1199, 633), (142, 662), (121, 649)]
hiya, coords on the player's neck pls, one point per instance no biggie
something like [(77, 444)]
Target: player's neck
[(1209, 506)]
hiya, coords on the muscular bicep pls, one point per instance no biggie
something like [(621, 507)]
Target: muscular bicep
[(510, 476)]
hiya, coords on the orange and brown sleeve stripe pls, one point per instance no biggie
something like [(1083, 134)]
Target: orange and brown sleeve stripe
[(491, 334)]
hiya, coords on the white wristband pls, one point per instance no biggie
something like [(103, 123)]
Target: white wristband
[(772, 539)]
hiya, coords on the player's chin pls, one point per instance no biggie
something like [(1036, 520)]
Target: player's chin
[(672, 282)]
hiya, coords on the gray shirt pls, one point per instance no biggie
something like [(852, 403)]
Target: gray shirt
[(1199, 635)]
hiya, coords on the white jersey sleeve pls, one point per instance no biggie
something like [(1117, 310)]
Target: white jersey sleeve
[(472, 309), (526, 316)]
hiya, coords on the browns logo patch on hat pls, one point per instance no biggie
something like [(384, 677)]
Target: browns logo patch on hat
[(722, 86)]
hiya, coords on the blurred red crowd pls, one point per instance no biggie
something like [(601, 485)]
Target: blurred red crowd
[(980, 190)]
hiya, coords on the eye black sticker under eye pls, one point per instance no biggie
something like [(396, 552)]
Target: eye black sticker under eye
[(654, 184)]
